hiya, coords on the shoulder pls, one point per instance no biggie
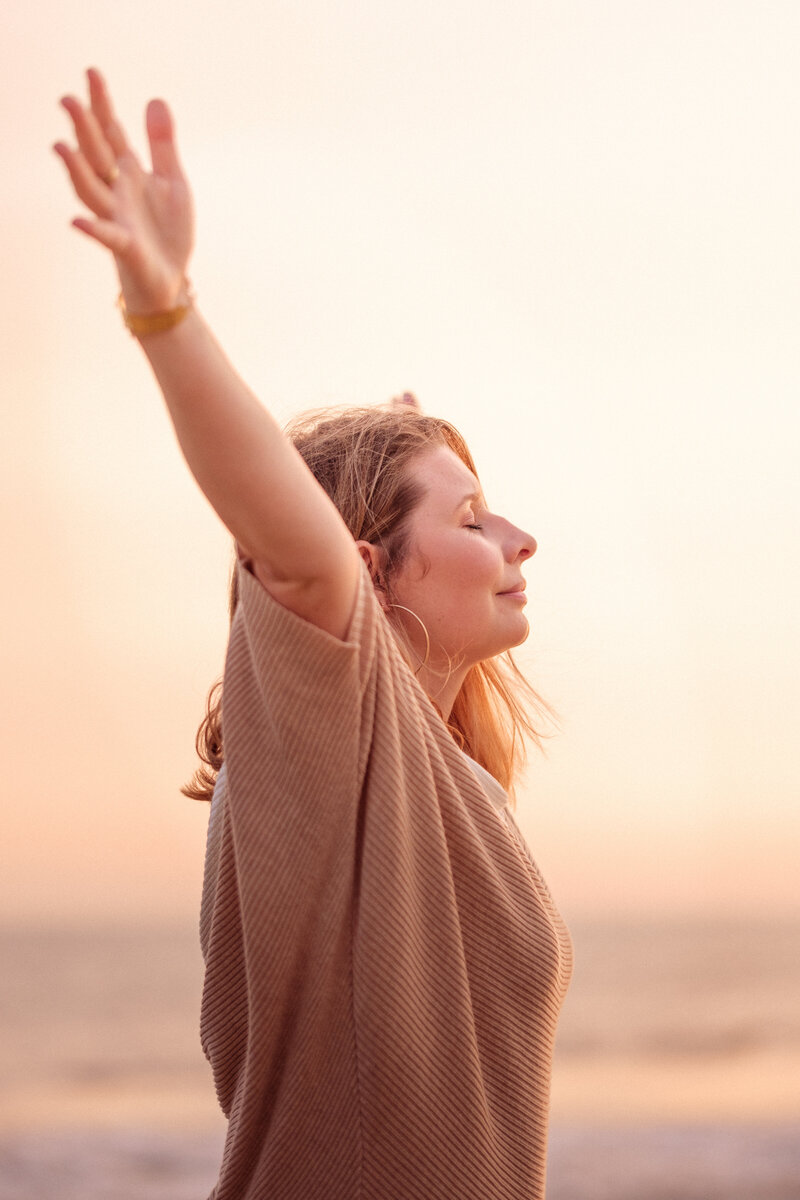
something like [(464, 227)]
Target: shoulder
[(277, 637), (326, 602)]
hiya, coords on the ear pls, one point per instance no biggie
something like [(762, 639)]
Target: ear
[(374, 557)]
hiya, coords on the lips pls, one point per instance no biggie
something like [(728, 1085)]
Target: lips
[(514, 590)]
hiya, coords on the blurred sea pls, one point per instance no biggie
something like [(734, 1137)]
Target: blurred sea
[(677, 1070)]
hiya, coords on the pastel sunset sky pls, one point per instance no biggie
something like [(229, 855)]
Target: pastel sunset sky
[(572, 229)]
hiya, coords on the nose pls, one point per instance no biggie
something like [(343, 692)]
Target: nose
[(519, 545)]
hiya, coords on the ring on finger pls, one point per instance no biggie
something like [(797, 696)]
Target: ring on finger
[(111, 175)]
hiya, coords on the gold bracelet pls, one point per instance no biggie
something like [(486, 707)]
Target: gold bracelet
[(140, 324)]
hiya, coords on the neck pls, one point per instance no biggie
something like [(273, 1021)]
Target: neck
[(442, 686), (439, 677)]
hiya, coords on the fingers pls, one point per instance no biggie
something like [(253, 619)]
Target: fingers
[(88, 186), (107, 233), (161, 134), (92, 141), (102, 108), (407, 400), (102, 147), (141, 218), (160, 129)]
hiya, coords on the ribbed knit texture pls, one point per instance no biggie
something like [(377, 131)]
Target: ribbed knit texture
[(384, 965)]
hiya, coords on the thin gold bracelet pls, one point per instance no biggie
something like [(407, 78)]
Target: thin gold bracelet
[(140, 324)]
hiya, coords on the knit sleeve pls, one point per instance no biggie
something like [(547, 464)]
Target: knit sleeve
[(293, 727), (279, 881), (297, 667)]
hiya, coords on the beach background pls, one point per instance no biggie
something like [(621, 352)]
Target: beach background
[(677, 1073), (571, 228)]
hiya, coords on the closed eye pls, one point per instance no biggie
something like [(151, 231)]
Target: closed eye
[(473, 527)]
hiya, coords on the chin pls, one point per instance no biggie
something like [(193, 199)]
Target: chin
[(523, 637), (511, 641)]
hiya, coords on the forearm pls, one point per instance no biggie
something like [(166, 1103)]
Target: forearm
[(248, 470)]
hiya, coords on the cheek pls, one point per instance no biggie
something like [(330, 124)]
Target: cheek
[(476, 563), (465, 581), (450, 575)]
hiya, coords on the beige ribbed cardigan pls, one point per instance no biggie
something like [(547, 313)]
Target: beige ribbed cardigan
[(384, 965)]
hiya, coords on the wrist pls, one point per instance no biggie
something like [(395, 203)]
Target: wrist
[(141, 323)]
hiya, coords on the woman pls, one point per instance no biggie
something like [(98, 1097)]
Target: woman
[(384, 965)]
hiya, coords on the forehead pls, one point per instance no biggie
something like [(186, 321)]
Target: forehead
[(444, 477)]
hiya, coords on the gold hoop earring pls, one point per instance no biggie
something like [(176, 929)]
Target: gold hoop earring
[(421, 623)]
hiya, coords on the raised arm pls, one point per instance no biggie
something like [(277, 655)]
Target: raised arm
[(258, 484)]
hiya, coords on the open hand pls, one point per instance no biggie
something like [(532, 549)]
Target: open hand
[(145, 220)]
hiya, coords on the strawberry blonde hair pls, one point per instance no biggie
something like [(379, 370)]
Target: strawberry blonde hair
[(361, 456)]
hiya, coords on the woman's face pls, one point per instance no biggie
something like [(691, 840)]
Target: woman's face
[(462, 575)]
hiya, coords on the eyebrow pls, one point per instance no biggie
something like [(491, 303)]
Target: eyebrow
[(474, 497)]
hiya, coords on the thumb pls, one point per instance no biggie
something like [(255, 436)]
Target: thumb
[(161, 135)]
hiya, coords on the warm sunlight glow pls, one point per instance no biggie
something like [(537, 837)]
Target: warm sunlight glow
[(572, 230)]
